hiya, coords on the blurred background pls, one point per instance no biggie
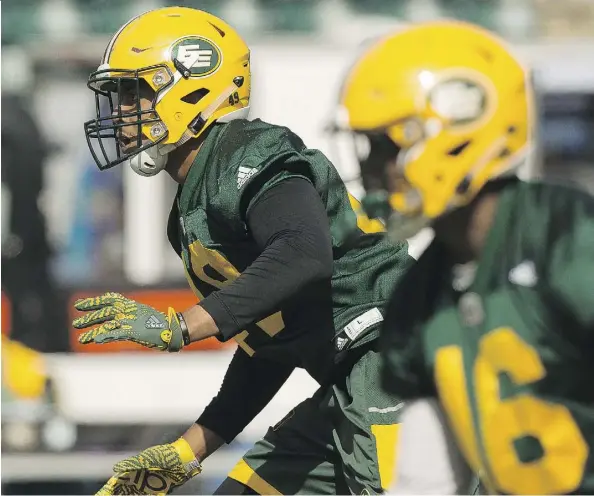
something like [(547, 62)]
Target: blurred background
[(69, 230)]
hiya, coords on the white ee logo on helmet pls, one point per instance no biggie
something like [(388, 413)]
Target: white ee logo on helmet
[(197, 55), (459, 101), (192, 56)]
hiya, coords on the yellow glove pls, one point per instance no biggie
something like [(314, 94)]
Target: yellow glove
[(156, 470)]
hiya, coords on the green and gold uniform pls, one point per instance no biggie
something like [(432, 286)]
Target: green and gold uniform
[(506, 344), (329, 331)]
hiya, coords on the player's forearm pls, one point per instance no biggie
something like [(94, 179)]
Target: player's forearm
[(203, 441), (200, 324), (296, 253), (263, 288)]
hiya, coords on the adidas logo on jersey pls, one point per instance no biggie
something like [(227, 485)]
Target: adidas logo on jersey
[(340, 343), (244, 174), (524, 274), (154, 323)]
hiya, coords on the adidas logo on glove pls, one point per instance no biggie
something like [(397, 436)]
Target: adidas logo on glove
[(154, 323)]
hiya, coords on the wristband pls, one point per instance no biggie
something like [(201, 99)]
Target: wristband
[(184, 328)]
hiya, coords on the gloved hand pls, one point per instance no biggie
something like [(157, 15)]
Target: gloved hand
[(155, 470), (123, 319)]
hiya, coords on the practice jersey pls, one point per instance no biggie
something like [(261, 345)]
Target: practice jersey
[(507, 344), (237, 163)]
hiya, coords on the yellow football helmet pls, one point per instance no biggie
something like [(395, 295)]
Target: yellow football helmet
[(434, 112), (196, 69)]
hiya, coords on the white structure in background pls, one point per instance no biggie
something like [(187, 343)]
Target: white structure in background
[(146, 206), (111, 401)]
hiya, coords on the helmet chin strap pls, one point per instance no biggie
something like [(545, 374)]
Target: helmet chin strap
[(148, 162)]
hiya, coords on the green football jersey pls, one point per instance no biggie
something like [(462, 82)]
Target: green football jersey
[(240, 160), (507, 344)]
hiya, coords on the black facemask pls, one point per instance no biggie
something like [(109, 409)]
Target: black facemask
[(106, 136)]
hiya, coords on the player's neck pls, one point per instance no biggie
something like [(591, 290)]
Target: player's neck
[(181, 159), (464, 231)]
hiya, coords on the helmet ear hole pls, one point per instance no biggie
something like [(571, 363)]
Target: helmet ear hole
[(458, 149), (195, 96)]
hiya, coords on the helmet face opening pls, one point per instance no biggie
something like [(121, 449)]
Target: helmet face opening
[(126, 121), (382, 164), (381, 156), (377, 155)]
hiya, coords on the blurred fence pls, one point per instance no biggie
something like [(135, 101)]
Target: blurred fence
[(519, 19)]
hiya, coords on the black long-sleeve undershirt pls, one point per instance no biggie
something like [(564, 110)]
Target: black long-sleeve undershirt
[(290, 225), (249, 385)]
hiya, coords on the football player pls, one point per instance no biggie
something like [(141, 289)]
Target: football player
[(276, 250), (490, 333)]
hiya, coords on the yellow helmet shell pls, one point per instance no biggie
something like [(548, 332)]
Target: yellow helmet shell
[(154, 44)]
